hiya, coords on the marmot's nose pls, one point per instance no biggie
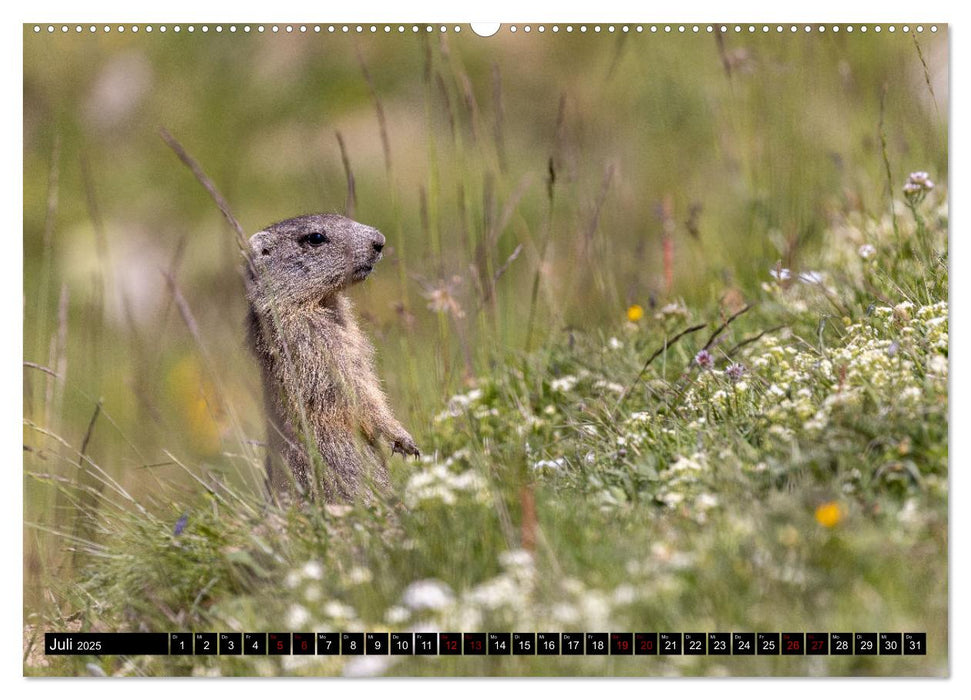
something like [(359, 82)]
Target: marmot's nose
[(378, 242)]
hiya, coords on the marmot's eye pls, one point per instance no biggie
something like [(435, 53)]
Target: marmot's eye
[(316, 239)]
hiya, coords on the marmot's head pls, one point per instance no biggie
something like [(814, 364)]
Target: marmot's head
[(310, 258)]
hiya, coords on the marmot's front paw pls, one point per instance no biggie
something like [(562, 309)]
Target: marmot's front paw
[(405, 445)]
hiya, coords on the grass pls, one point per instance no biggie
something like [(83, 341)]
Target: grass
[(672, 340)]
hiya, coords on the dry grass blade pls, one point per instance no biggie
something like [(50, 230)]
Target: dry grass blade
[(379, 109), (207, 184), (351, 201), (886, 161), (726, 324), (183, 306), (601, 198), (471, 106), (94, 212), (42, 368), (53, 189), (722, 52), (90, 497), (505, 265), (211, 488), (105, 477), (927, 72), (499, 110), (87, 543), (443, 90), (43, 282), (551, 201), (88, 433), (748, 341), (509, 208), (647, 363)]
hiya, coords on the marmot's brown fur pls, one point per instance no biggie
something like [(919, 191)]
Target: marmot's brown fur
[(326, 411)]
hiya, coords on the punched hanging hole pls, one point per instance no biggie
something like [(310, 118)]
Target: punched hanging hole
[(485, 29)]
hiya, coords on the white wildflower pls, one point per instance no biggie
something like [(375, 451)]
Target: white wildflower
[(775, 390), (624, 594), (609, 386), (497, 592), (683, 463), (367, 666), (428, 594), (297, 617), (564, 384), (339, 611), (516, 559), (917, 185), (458, 404), (565, 614), (867, 251), (671, 498), (359, 575), (553, 465), (595, 610), (937, 365), (396, 615), (573, 586), (672, 309), (910, 513), (313, 570)]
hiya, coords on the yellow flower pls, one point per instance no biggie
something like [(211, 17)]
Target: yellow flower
[(635, 312), (829, 514), (198, 404)]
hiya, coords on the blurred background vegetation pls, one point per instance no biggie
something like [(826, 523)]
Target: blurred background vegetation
[(528, 184)]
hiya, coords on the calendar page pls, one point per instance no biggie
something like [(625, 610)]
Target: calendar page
[(525, 349)]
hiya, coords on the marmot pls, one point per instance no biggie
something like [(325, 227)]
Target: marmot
[(326, 411)]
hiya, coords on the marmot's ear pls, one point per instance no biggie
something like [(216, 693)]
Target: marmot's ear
[(262, 243)]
